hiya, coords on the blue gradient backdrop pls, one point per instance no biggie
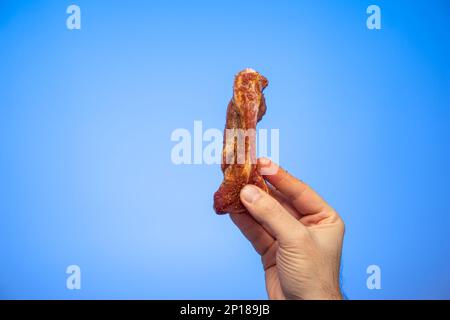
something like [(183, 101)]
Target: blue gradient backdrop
[(86, 116)]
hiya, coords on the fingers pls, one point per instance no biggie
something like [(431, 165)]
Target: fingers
[(261, 240), (285, 202), (270, 214), (254, 232), (302, 197)]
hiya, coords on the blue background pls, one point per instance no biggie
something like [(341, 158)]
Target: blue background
[(86, 117)]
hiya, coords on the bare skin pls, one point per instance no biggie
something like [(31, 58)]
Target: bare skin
[(298, 235)]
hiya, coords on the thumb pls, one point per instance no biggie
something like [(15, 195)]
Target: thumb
[(271, 215)]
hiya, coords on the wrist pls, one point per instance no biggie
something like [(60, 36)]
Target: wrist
[(332, 295), (327, 293)]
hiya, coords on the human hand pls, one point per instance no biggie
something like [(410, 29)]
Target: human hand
[(298, 235)]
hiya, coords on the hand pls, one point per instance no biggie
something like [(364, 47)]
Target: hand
[(298, 235)]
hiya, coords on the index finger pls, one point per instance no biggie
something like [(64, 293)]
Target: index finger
[(303, 198)]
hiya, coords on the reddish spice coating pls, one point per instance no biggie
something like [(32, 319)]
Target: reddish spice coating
[(245, 109)]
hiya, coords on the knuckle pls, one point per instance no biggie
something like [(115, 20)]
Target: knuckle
[(341, 225), (339, 222)]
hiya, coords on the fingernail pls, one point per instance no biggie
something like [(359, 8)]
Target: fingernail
[(250, 193), (264, 161)]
